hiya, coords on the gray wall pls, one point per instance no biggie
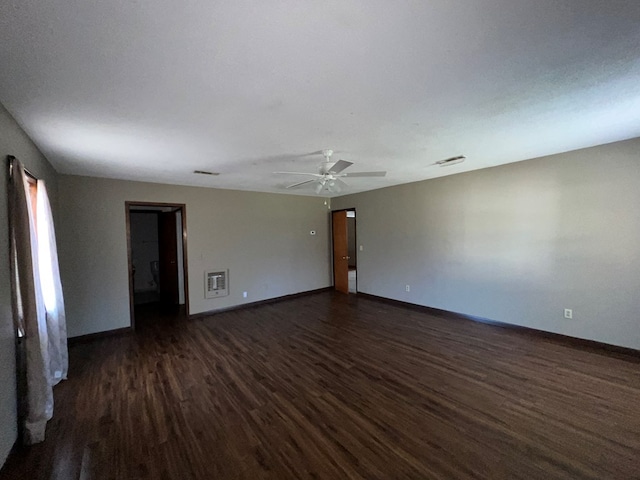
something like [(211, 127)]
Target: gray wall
[(263, 239), (516, 243), (13, 141)]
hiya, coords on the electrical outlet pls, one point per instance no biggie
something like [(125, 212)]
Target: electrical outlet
[(244, 294), (568, 313), (407, 288)]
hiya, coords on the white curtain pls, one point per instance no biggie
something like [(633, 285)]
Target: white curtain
[(37, 299), (51, 287)]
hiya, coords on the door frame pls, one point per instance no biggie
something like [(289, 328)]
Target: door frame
[(185, 265), (355, 234)]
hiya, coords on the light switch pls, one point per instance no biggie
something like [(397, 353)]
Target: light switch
[(361, 248)]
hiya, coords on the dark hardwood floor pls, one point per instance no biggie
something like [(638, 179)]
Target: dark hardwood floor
[(328, 386)]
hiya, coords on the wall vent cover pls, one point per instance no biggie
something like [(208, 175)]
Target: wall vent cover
[(216, 283)]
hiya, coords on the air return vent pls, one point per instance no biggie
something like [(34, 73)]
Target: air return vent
[(216, 283)]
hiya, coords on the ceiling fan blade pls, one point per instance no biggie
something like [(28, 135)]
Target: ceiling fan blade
[(365, 174), (338, 182), (299, 173), (338, 185), (300, 183), (339, 166)]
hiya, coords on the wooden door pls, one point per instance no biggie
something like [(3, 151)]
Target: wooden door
[(340, 252), (168, 253)]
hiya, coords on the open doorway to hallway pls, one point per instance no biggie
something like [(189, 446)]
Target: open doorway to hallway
[(351, 250), (345, 258), (156, 239)]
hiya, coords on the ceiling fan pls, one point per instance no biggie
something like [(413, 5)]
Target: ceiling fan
[(330, 174)]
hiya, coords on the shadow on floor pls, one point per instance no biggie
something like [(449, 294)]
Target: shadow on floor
[(153, 314)]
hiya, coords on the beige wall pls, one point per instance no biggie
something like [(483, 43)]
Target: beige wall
[(13, 141), (516, 243), (263, 239)]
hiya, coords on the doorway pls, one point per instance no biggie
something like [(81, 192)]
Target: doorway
[(345, 259), (157, 254)]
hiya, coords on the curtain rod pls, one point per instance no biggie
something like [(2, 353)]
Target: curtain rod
[(12, 159)]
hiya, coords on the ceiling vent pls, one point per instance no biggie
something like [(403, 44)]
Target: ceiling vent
[(451, 161), (216, 283), (204, 172)]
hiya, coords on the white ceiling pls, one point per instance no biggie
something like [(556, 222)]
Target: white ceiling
[(152, 90)]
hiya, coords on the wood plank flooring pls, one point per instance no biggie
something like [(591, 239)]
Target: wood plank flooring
[(329, 386)]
